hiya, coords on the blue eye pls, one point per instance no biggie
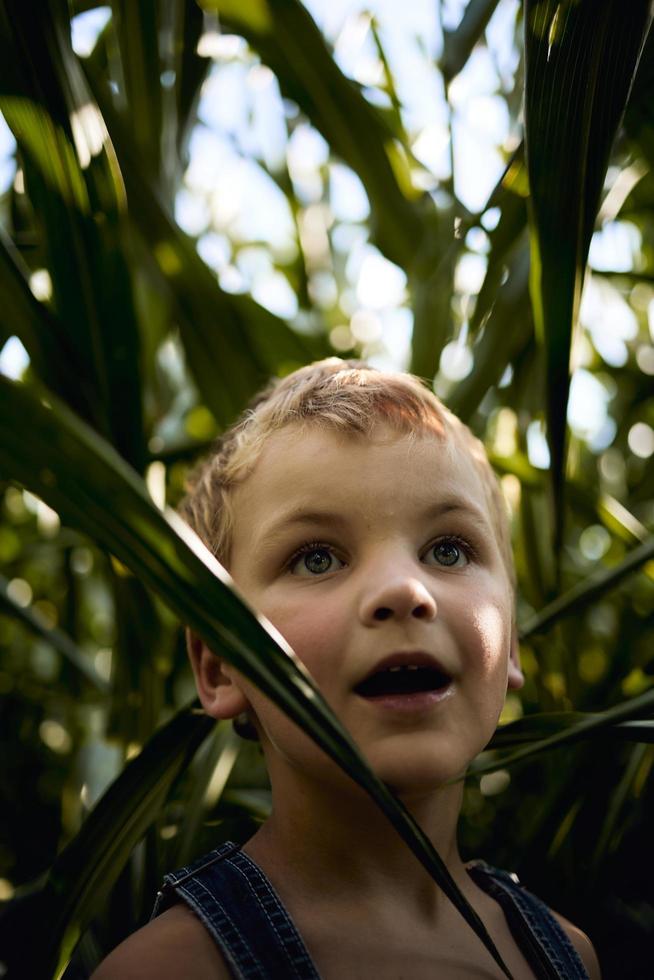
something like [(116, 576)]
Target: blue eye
[(313, 559), (449, 553)]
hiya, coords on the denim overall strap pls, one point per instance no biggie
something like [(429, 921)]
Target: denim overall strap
[(238, 906), (541, 939)]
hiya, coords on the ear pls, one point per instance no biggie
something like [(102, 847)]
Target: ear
[(218, 689), (516, 678)]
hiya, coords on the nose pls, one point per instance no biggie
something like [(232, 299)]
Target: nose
[(399, 597)]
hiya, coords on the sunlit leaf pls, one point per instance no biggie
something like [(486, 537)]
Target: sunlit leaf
[(76, 189)]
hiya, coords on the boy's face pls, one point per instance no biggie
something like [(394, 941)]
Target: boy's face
[(358, 549)]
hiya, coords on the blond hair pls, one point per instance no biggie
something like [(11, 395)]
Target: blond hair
[(343, 395)]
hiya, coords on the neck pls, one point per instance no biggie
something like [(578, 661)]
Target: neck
[(337, 838)]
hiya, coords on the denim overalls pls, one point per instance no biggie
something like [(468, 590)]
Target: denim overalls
[(237, 904)]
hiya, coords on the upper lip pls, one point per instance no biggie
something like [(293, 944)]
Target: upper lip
[(406, 658)]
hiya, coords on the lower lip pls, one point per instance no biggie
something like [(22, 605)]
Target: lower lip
[(412, 703)]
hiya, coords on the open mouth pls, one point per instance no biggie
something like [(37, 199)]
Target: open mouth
[(398, 681)]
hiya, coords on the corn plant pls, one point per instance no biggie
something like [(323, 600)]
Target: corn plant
[(141, 335)]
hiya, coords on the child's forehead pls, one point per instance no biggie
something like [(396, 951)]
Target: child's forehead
[(325, 459), (297, 441)]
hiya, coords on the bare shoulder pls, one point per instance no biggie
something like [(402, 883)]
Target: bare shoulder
[(583, 945), (174, 946)]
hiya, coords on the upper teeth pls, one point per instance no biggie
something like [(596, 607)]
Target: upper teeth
[(394, 670)]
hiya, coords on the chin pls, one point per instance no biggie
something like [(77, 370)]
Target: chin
[(419, 778)]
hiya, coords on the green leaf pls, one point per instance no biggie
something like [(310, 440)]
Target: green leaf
[(258, 14), (502, 314), (91, 487), (636, 710), (640, 755), (232, 343), (431, 289), (257, 802), (505, 240), (138, 27), (42, 335), (581, 58), (83, 873), (190, 69), (588, 590), (533, 728), (639, 117), (76, 191), (55, 637), (213, 773), (507, 332), (458, 44)]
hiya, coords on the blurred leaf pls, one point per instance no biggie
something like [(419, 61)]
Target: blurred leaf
[(620, 521), (431, 289), (636, 710), (588, 590), (619, 797), (256, 13), (42, 335), (208, 784), (501, 322), (581, 58), (533, 549), (614, 516), (84, 872), (257, 801), (532, 728), (76, 191), (232, 343), (90, 486), (506, 239), (639, 117), (458, 44), (289, 42), (507, 332), (138, 27), (518, 465), (139, 663), (190, 69), (162, 73), (395, 109), (55, 637)]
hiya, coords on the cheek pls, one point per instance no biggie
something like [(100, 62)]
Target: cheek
[(491, 625), (314, 629)]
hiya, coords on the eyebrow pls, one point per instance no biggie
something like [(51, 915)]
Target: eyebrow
[(298, 518), (301, 517)]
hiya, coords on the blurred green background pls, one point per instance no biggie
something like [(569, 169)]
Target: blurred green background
[(197, 196)]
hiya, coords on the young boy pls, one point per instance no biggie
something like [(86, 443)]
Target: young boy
[(364, 521)]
